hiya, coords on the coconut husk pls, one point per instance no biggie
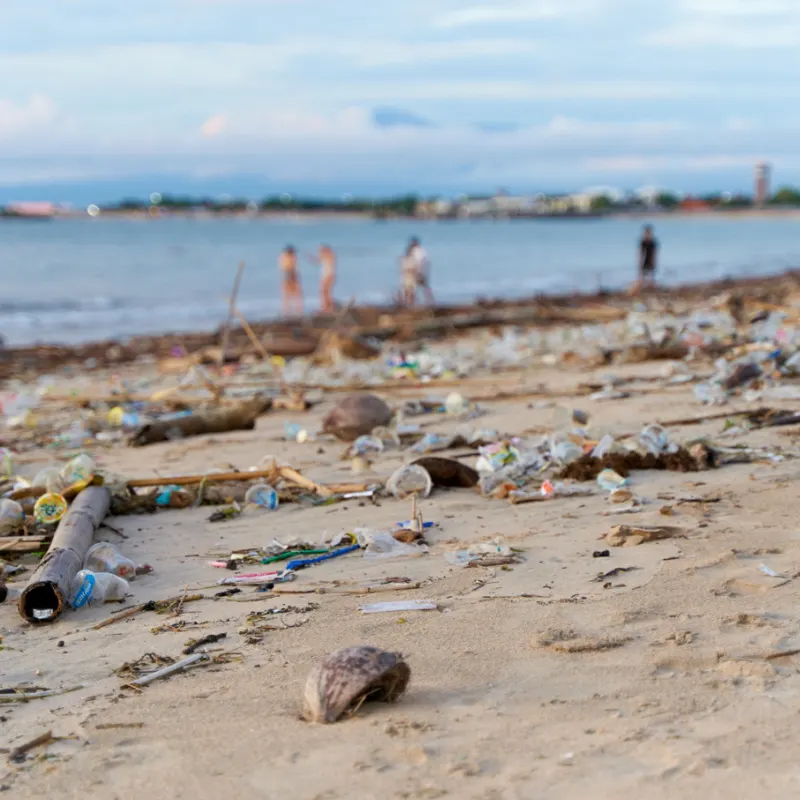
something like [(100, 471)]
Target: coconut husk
[(448, 472), (356, 415)]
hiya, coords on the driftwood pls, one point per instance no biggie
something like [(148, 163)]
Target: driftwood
[(44, 597), (226, 329), (215, 420), (23, 544)]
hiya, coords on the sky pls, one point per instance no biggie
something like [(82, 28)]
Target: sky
[(100, 98)]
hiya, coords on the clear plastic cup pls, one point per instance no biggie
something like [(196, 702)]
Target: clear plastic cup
[(263, 496), (408, 480), (104, 557)]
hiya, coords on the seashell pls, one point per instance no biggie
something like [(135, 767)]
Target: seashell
[(347, 678)]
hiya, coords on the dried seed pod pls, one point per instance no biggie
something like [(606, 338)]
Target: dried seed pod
[(347, 678)]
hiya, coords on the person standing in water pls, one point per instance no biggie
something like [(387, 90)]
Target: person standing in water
[(326, 259), (648, 252), (291, 291), (417, 267)]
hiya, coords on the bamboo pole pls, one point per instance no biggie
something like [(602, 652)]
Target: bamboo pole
[(226, 331), (44, 597)]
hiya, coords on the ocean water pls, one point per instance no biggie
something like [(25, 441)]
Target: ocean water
[(75, 280)]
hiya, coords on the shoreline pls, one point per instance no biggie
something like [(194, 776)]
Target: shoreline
[(359, 216), (300, 337)]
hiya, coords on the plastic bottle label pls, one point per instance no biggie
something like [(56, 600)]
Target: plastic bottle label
[(84, 593)]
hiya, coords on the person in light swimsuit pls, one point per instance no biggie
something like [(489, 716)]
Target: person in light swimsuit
[(327, 260)]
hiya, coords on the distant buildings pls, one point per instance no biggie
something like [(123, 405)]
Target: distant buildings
[(762, 184)]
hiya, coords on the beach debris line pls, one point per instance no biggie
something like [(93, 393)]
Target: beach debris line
[(345, 679)]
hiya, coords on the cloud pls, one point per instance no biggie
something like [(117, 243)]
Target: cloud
[(214, 126), (38, 113), (740, 36), (399, 117), (499, 12)]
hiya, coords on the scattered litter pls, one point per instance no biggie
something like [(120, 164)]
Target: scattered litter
[(399, 605)]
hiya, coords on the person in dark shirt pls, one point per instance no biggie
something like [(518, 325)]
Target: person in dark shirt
[(648, 250)]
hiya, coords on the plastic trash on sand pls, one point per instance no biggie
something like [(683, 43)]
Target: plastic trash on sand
[(12, 517), (49, 478), (104, 557), (262, 495), (366, 445), (558, 489), (656, 440), (80, 468), (384, 545), (408, 480), (609, 480), (399, 605), (456, 404), (94, 588), (50, 508)]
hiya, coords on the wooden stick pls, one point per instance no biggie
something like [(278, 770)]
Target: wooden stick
[(254, 340), (292, 475), (22, 544), (44, 597), (231, 309), (23, 697), (127, 614), (21, 749)]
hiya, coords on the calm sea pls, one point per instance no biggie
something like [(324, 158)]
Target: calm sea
[(82, 279)]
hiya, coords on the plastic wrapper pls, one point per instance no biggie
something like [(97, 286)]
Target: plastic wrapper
[(80, 468), (609, 480), (384, 545)]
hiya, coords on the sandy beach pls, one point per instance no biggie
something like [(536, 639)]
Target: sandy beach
[(656, 671)]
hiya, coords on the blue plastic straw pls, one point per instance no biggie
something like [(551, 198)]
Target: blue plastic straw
[(302, 563)]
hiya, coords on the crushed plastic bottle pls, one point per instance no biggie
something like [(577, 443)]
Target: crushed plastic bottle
[(550, 489), (409, 479), (49, 478), (432, 443), (93, 588), (263, 496), (80, 468), (609, 480), (104, 557), (656, 441), (566, 451)]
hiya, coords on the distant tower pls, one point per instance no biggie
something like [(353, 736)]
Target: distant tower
[(762, 183)]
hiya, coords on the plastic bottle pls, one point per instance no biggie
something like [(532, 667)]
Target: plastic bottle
[(94, 588), (104, 557), (49, 478), (80, 468), (408, 480), (263, 496)]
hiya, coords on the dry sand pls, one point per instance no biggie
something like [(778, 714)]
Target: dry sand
[(686, 704)]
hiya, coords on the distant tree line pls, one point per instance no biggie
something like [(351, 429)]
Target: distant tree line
[(404, 205)]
